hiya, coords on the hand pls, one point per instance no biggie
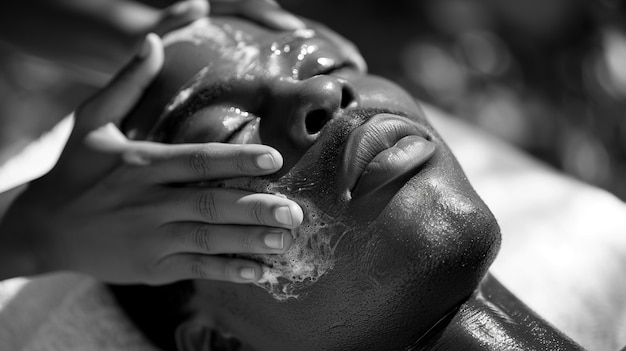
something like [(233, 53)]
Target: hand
[(96, 36), (122, 219), (174, 16), (265, 12), (101, 35)]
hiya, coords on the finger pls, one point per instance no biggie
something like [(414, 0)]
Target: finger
[(227, 206), (193, 237), (96, 119), (107, 138), (118, 98), (200, 162), (196, 266), (267, 13), (180, 14)]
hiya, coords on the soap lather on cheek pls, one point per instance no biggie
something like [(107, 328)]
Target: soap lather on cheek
[(309, 258), (312, 252)]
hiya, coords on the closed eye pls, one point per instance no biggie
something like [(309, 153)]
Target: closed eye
[(340, 66)]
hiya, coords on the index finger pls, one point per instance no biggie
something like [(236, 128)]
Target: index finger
[(181, 163)]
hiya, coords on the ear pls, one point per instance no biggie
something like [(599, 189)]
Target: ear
[(193, 336)]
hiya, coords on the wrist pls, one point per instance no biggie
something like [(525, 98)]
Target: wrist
[(8, 197), (16, 259), (17, 251)]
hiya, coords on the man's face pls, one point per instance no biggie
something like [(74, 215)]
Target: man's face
[(394, 237)]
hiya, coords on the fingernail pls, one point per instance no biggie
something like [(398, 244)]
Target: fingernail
[(283, 215), (247, 273), (266, 161), (290, 22), (274, 240), (107, 138), (181, 7), (145, 47), (135, 158)]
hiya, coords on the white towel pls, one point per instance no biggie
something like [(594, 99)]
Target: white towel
[(64, 312), (71, 312)]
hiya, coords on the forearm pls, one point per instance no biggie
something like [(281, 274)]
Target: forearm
[(93, 34)]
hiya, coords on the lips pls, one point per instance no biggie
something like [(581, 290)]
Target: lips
[(380, 152)]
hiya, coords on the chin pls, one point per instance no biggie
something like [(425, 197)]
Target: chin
[(439, 263), (455, 229)]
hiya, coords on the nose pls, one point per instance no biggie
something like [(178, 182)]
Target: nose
[(323, 97), (296, 111)]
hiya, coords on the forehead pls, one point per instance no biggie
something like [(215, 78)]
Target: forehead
[(246, 45), (237, 42)]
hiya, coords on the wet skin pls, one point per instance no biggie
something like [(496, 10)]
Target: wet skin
[(405, 238)]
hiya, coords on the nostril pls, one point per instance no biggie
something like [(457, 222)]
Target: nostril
[(347, 96), (315, 120)]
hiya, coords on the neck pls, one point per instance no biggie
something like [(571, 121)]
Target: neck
[(494, 319)]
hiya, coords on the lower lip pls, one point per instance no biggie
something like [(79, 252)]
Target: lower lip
[(402, 159)]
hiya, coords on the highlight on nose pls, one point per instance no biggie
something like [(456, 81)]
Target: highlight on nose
[(326, 96), (293, 112)]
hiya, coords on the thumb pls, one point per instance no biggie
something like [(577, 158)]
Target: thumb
[(96, 120), (180, 14), (118, 98)]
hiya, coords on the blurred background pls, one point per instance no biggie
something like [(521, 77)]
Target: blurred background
[(548, 76)]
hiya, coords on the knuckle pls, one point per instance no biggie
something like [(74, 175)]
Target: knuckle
[(199, 163), (197, 269), (203, 240), (150, 270), (255, 212), (225, 272), (206, 206), (249, 243), (241, 163)]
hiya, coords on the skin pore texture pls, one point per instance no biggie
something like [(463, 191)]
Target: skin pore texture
[(395, 244)]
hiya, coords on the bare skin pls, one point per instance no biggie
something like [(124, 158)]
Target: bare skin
[(410, 239), (111, 207), (119, 25)]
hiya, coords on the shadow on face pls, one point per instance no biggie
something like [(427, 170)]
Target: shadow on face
[(394, 237)]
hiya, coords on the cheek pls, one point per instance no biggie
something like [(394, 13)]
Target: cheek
[(441, 237)]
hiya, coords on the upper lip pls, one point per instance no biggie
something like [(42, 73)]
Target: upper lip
[(368, 140)]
